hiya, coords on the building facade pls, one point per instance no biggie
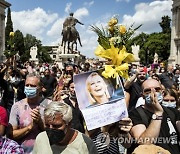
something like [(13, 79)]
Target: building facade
[(3, 6), (175, 34)]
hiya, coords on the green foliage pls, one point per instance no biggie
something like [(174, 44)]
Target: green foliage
[(43, 54), (10, 49), (30, 41), (115, 34), (19, 42), (154, 43), (8, 28), (165, 24)]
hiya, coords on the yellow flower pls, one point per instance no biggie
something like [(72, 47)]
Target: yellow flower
[(119, 60), (121, 70), (109, 72), (122, 29), (11, 34), (111, 28), (112, 22), (116, 55)]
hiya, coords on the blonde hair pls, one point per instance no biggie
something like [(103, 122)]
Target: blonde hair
[(90, 96)]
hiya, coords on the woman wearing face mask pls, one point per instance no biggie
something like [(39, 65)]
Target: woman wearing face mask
[(58, 136), (170, 99), (71, 100)]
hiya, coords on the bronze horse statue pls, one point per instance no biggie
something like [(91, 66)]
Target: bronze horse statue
[(70, 36)]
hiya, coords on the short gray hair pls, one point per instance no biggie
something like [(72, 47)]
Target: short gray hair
[(59, 107)]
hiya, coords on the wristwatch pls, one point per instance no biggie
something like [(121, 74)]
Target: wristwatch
[(156, 117)]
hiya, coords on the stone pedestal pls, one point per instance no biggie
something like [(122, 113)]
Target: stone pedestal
[(174, 57), (3, 6)]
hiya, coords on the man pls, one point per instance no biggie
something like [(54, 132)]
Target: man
[(133, 88), (49, 84), (27, 114), (168, 79), (71, 22), (154, 124), (7, 145), (59, 137)]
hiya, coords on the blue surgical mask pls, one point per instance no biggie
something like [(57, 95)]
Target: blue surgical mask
[(148, 98), (30, 92), (169, 104)]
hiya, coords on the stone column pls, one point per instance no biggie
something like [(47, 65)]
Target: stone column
[(3, 6), (175, 34)]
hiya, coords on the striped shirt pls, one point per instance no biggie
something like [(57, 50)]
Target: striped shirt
[(8, 146), (107, 145)]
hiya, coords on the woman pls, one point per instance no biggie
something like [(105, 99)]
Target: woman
[(96, 89), (170, 99), (71, 100)]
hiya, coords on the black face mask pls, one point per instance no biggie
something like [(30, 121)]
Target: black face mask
[(55, 136)]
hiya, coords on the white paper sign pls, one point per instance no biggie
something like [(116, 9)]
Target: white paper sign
[(100, 100), (105, 114)]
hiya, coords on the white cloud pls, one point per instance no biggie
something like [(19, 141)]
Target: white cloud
[(89, 3), (68, 7), (56, 28), (33, 21), (80, 13), (149, 14)]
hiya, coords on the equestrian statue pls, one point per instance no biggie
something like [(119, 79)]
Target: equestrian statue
[(69, 33)]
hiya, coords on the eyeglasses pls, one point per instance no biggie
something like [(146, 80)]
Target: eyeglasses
[(148, 90)]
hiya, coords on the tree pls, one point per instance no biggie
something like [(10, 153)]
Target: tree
[(8, 28), (19, 42), (165, 24), (42, 53), (30, 41)]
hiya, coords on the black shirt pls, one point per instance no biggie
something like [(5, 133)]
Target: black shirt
[(49, 83), (168, 80), (168, 130), (77, 120), (135, 91)]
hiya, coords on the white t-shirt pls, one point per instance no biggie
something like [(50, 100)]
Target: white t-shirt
[(81, 145)]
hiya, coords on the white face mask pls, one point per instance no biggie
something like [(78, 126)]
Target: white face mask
[(169, 104)]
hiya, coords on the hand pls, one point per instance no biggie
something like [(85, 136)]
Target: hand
[(35, 115), (125, 125), (158, 110), (43, 89), (30, 126)]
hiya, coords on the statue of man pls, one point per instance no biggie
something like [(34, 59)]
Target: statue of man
[(71, 22)]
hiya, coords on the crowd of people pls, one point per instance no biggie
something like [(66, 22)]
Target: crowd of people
[(39, 111)]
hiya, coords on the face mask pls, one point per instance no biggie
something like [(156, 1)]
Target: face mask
[(169, 104), (30, 92), (42, 76), (55, 136), (148, 98)]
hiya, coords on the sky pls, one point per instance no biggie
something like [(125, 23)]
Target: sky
[(44, 18)]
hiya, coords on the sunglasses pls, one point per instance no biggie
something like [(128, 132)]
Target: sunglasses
[(148, 90)]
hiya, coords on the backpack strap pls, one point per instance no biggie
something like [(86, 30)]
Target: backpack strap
[(143, 115), (170, 114)]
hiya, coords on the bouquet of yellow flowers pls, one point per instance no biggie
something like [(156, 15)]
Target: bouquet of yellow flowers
[(112, 46), (10, 51)]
